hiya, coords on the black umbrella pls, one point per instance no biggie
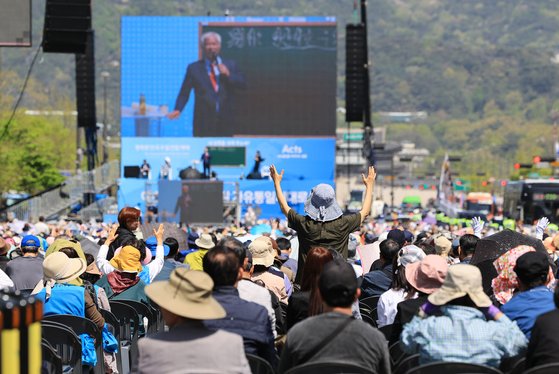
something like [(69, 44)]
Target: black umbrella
[(492, 247)]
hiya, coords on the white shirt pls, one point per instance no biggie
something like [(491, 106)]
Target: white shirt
[(154, 267), (250, 291), (387, 303)]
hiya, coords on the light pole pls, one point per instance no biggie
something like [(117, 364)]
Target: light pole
[(105, 75)]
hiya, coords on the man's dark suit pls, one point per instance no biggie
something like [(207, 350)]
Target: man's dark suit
[(213, 111)]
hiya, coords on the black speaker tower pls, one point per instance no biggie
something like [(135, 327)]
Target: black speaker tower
[(67, 23), (355, 72)]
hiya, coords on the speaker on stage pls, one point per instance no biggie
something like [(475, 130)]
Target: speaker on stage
[(67, 23)]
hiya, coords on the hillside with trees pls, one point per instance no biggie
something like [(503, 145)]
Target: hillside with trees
[(486, 71)]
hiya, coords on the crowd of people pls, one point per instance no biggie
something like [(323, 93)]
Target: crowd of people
[(301, 293)]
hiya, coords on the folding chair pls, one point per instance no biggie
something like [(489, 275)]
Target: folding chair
[(83, 326)]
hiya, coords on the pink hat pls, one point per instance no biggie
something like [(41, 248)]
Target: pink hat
[(428, 274)]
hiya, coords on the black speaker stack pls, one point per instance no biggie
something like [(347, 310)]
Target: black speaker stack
[(67, 26), (357, 76)]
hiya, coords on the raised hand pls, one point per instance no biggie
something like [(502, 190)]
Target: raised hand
[(274, 174), (112, 235), (369, 180), (477, 226), (159, 234), (541, 226)]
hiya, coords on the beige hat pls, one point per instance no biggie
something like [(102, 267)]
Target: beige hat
[(187, 293), (443, 246), (59, 268), (461, 280), (262, 251), (205, 241)]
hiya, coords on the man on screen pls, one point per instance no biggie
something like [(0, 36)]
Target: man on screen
[(214, 81)]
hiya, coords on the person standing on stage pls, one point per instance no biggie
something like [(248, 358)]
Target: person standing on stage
[(206, 162), (214, 81)]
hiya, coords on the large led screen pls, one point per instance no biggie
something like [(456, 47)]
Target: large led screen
[(228, 76)]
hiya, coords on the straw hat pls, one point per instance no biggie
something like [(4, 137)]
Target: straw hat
[(187, 293), (461, 280), (127, 260), (205, 242)]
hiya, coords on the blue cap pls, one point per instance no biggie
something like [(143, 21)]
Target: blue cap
[(30, 241), (151, 243)]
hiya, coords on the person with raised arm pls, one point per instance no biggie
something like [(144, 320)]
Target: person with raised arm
[(324, 225)]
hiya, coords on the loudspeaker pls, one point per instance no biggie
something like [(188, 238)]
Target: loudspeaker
[(67, 23), (85, 85), (356, 72), (131, 172)]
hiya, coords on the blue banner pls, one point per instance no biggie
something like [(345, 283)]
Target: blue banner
[(302, 158)]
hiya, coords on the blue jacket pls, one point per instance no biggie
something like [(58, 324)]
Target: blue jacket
[(247, 319), (376, 282), (525, 307)]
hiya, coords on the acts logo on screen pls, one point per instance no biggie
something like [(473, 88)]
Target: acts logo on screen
[(292, 151)]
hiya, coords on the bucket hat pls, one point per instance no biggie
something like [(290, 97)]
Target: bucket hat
[(428, 274), (321, 204), (205, 242), (187, 293), (461, 280), (262, 252)]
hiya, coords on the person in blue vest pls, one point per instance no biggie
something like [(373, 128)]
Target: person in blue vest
[(60, 297)]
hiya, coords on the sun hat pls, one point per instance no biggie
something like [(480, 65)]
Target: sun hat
[(59, 268), (442, 245), (93, 269), (321, 204), (187, 293), (410, 254), (337, 283), (205, 242), (262, 252), (461, 280), (428, 274), (151, 244), (58, 244), (127, 260)]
